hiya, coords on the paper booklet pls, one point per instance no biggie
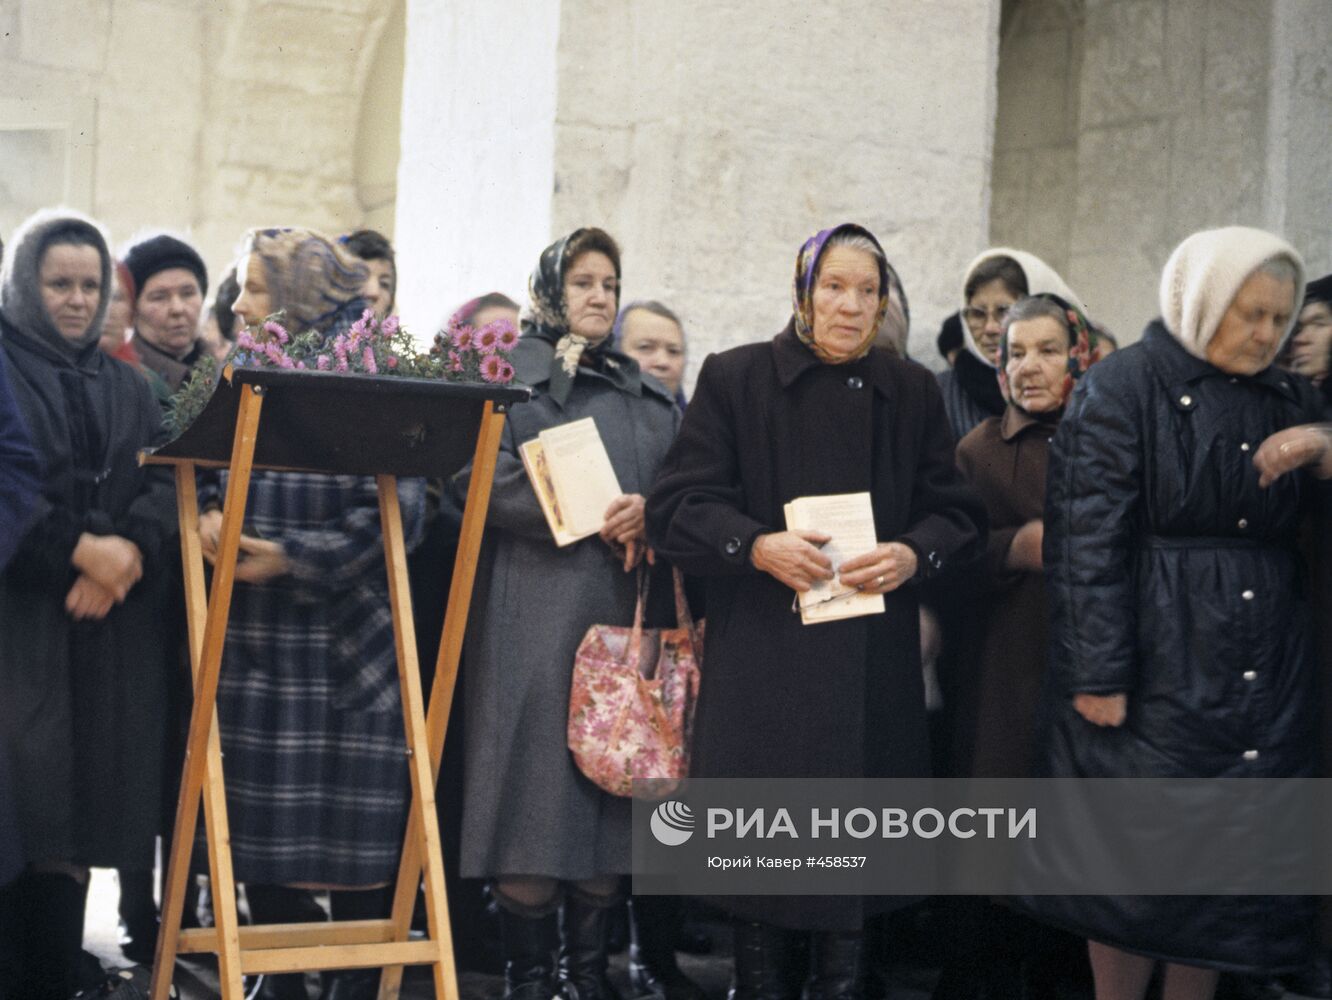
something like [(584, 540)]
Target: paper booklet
[(573, 479), (849, 519)]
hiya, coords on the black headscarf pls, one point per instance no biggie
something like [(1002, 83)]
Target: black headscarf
[(546, 319)]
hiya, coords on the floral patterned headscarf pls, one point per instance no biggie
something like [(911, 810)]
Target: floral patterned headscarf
[(314, 281), (1086, 349), (802, 294), (546, 318)]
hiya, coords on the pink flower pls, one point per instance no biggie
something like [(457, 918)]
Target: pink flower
[(277, 331), (390, 326), (462, 337), (245, 341), (368, 359), (323, 362), (487, 339), (392, 361), (495, 369), (508, 336), (455, 361)]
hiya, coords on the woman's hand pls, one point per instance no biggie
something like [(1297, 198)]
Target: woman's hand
[(88, 600), (793, 558), (881, 570), (1102, 709), (625, 529), (1025, 551), (1294, 448), (260, 560), (210, 533), (109, 560)]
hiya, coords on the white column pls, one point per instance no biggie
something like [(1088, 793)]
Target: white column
[(478, 138)]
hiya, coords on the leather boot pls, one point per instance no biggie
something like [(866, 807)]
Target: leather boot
[(654, 927), (763, 956), (584, 922), (529, 938), (834, 972)]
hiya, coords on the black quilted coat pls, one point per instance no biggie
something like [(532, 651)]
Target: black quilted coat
[(1176, 579)]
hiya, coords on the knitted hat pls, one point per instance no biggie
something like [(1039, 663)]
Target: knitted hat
[(1207, 270), (1042, 279), (161, 253)]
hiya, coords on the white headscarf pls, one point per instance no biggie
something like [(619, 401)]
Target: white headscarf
[(1042, 279), (1205, 273)]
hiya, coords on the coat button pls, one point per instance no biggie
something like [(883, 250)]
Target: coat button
[(1185, 400), (855, 382), (1250, 755), (732, 546), (1247, 595), (1244, 446), (1243, 523), (1250, 675)]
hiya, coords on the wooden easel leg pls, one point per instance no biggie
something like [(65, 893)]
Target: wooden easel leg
[(202, 765), (426, 828), (446, 675)]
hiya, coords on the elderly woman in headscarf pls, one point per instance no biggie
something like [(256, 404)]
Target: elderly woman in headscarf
[(816, 410), (308, 695), (991, 284), (82, 648), (534, 603), (1181, 643)]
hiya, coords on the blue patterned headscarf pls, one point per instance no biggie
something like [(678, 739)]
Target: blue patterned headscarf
[(802, 296)]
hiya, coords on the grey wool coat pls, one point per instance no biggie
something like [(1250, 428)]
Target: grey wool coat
[(528, 809)]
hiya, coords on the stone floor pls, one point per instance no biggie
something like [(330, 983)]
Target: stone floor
[(197, 979)]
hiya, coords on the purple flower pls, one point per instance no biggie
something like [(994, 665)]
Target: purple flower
[(368, 359), (323, 362), (508, 336), (390, 326), (455, 361), (462, 337), (487, 339), (277, 331)]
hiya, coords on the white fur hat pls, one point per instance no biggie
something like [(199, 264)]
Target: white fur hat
[(1206, 271)]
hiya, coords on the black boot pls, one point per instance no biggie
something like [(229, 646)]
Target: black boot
[(763, 963), (834, 972), (584, 922), (280, 904), (52, 936), (528, 937), (654, 927), (356, 904)]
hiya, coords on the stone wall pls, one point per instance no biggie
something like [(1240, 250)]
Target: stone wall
[(1125, 125), (202, 118), (712, 139)]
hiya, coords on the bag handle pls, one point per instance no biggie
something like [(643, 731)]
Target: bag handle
[(636, 633)]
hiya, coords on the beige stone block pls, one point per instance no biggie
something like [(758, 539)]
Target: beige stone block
[(268, 124), (1119, 288), (1235, 70), (1217, 167), (1043, 15), (1313, 75), (1186, 43), (10, 42), (1010, 195), (1035, 90), (1051, 202), (319, 53), (1123, 177), (1124, 63), (68, 35)]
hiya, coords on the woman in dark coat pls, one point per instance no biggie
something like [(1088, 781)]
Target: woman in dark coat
[(555, 881), (1181, 643), (814, 411), (82, 644)]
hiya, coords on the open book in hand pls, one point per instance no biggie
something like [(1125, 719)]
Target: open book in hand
[(573, 478), (849, 519)]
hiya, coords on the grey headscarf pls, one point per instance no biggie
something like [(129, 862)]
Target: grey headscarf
[(20, 286)]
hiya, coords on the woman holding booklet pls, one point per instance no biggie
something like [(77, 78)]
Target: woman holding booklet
[(813, 464), (594, 435)]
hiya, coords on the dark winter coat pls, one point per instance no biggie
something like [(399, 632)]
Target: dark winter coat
[(1004, 459), (1176, 579), (769, 422), (84, 702)]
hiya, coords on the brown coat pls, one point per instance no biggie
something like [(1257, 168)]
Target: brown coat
[(1004, 458)]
